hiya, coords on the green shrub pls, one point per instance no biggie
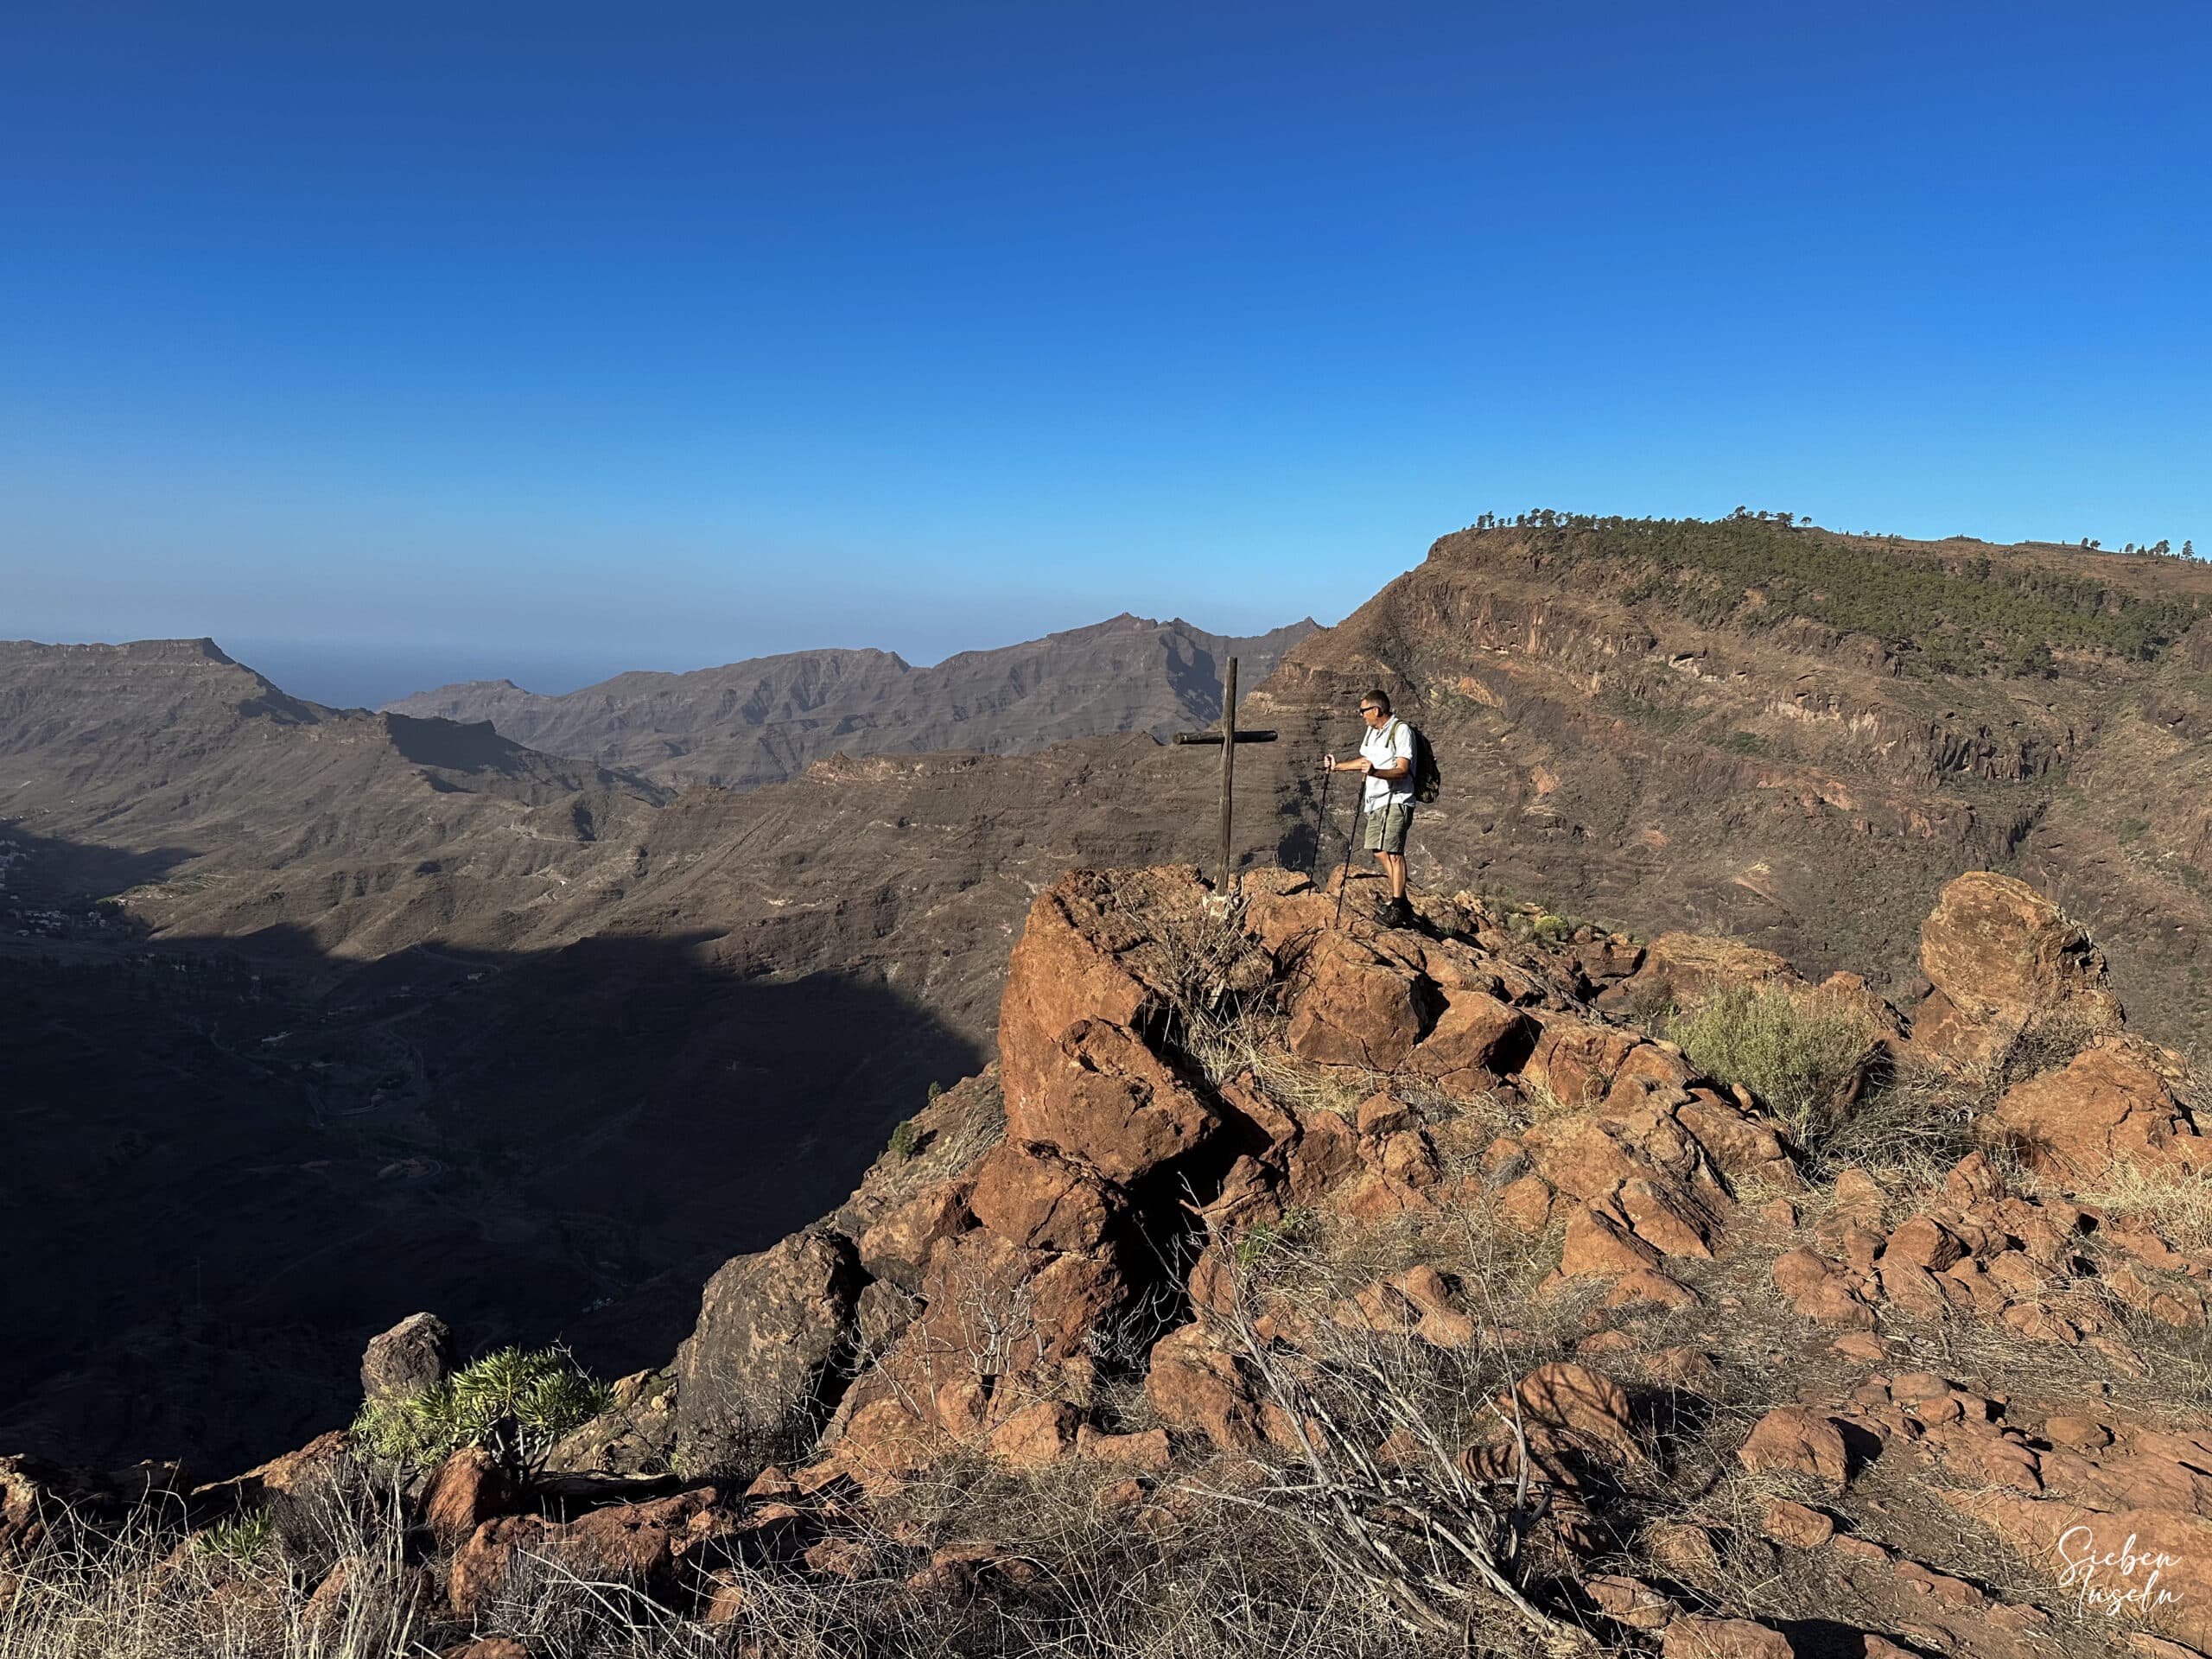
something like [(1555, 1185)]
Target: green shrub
[(1798, 1052), (906, 1140), (936, 1092), (242, 1538), (514, 1405), (1256, 1242)]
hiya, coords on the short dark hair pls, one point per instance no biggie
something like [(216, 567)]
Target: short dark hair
[(1380, 699)]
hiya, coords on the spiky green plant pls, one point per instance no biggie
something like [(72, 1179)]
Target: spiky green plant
[(513, 1404), (242, 1539)]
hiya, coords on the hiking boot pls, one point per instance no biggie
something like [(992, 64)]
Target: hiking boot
[(1396, 913)]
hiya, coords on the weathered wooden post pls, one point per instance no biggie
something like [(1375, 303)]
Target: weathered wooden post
[(1228, 768), (1228, 737)]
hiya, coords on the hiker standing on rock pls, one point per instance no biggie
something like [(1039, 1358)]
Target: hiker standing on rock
[(1385, 759)]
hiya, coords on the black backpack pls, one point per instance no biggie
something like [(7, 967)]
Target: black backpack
[(1428, 783)]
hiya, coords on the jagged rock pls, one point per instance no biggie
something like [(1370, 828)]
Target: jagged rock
[(1199, 1389), (1476, 1041), (2109, 1104), (466, 1489), (1795, 1440), (1030, 1198), (1076, 1076), (415, 1355), (1104, 1099), (1819, 1292), (634, 1544), (1599, 1241), (1922, 1242), (897, 1247), (1035, 1436), (1359, 1007), (2002, 957), (1577, 1063), (772, 1329)]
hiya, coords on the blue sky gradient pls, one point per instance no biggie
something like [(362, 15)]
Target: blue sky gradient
[(551, 339)]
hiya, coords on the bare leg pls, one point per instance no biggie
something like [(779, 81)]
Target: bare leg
[(1393, 865)]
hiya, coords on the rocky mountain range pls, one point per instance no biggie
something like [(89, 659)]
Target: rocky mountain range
[(451, 1021), (767, 719)]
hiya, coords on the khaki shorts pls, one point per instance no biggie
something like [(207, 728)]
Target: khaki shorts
[(1386, 827)]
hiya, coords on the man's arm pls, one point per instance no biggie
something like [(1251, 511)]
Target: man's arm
[(1401, 752)]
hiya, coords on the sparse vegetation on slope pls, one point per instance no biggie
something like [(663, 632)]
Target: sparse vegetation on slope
[(1957, 612)]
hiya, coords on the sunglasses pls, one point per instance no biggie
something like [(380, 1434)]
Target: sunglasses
[(1369, 709)]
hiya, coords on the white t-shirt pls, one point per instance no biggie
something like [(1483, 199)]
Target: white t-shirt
[(1393, 743)]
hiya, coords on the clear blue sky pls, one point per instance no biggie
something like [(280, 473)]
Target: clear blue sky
[(524, 336)]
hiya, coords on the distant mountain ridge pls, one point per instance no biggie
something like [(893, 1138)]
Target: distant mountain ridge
[(767, 719)]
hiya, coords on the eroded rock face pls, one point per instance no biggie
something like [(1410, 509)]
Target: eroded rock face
[(2110, 1102), (639, 1545), (1358, 1008), (2002, 957), (772, 1328), (414, 1356)]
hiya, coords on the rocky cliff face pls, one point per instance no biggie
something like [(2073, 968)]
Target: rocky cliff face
[(765, 720), (1414, 1241), (1796, 738)]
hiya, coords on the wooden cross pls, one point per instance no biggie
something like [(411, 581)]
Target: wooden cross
[(1228, 737)]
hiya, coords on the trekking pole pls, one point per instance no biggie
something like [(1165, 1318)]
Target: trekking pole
[(1351, 835), (1321, 821)]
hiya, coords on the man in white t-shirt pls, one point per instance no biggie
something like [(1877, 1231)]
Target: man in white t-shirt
[(1386, 759)]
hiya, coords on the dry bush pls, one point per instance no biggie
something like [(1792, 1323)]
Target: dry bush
[(1908, 1130), (1368, 1464), (146, 1591), (1801, 1052)]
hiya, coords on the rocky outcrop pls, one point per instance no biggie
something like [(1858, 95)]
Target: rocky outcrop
[(1178, 1265), (414, 1356), (2112, 1103), (2003, 958), (761, 1360)]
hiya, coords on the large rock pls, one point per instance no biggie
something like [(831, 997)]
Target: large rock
[(2108, 1104), (414, 1356), (1030, 1198), (1358, 1007), (1107, 1099), (2002, 957), (1076, 1076), (1198, 1388), (1795, 1440), (638, 1545), (758, 1365)]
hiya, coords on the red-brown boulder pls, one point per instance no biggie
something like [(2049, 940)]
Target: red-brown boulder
[(635, 1544), (1357, 1007), (1795, 1440), (2001, 958), (1031, 1198), (2109, 1104), (1101, 1097)]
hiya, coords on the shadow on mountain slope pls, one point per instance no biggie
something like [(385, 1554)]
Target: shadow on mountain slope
[(233, 1161)]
